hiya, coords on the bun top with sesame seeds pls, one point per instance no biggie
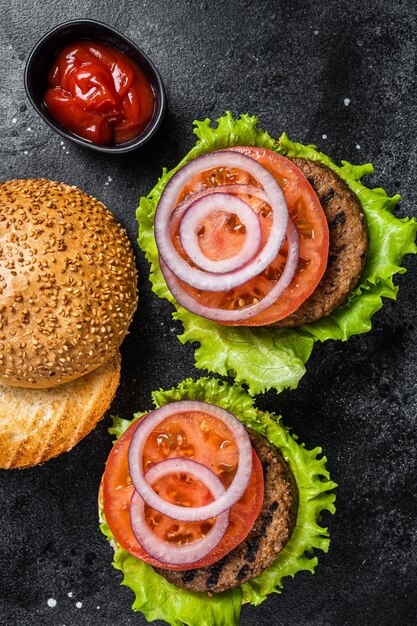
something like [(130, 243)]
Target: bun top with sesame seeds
[(67, 283)]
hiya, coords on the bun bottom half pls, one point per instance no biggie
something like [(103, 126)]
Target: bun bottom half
[(38, 424)]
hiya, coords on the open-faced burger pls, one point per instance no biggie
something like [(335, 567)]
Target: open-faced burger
[(251, 232), (205, 495)]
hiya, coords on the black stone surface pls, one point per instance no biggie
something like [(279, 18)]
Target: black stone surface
[(292, 63)]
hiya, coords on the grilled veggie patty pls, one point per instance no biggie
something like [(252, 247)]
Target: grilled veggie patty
[(270, 533), (348, 244)]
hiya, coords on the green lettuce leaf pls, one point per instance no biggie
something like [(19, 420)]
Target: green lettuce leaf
[(156, 598), (265, 358)]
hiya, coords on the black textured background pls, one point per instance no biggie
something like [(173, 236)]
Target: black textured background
[(293, 64)]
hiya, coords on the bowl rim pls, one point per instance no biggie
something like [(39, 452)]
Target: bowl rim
[(134, 143)]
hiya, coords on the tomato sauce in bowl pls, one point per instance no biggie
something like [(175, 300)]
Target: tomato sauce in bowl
[(99, 93), (107, 95)]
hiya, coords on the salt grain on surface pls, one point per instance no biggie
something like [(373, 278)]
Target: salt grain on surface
[(51, 602), (78, 605), (346, 101)]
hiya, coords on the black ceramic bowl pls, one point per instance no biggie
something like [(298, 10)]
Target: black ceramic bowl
[(40, 61)]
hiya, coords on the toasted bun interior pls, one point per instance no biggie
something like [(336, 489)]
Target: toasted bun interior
[(67, 283), (37, 424)]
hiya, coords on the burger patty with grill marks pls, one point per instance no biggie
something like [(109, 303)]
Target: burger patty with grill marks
[(348, 244), (268, 536)]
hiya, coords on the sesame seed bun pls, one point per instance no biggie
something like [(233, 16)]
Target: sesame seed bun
[(38, 424), (67, 283)]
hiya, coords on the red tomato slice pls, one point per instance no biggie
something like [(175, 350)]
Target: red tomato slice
[(201, 438), (221, 236)]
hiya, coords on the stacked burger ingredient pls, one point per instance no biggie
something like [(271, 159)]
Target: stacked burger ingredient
[(243, 238), (265, 246), (68, 293), (210, 502)]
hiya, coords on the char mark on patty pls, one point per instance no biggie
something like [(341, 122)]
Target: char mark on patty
[(214, 576)]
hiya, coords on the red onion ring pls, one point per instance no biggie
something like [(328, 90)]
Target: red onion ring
[(165, 551), (210, 281), (225, 315), (190, 514), (194, 218)]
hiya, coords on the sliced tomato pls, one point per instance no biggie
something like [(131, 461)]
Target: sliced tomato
[(197, 436), (221, 236)]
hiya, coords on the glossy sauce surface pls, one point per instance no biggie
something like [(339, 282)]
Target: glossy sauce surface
[(99, 93)]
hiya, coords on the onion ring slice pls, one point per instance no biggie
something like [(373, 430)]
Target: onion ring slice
[(190, 514), (165, 551), (210, 281), (239, 190), (225, 315), (193, 220)]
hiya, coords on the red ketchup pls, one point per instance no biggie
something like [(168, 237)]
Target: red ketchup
[(98, 93)]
